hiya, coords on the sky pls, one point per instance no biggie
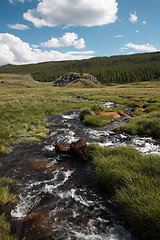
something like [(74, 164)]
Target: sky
[(33, 31)]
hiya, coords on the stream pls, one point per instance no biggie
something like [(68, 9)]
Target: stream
[(58, 197)]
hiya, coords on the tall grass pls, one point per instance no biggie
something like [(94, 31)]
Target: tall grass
[(133, 180)]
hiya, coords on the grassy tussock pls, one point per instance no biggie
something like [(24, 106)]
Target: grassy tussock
[(147, 124), (90, 118), (133, 180), (95, 120)]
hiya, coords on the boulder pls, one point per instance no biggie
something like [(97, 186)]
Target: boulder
[(78, 150)]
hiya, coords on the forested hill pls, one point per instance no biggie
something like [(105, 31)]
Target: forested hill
[(115, 69)]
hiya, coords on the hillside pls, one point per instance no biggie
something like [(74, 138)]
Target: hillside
[(17, 80), (107, 70)]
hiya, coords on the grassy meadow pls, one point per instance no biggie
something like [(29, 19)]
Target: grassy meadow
[(24, 104)]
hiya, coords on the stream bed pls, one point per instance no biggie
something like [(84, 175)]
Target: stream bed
[(58, 197)]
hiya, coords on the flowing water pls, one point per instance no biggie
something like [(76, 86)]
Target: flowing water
[(58, 197)]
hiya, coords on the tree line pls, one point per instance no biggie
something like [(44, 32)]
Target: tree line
[(108, 70)]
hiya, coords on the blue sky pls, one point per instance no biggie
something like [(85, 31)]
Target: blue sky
[(34, 31)]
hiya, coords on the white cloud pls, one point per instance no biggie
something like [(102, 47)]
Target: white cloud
[(133, 18), (15, 51), (123, 48), (145, 47), (137, 31), (68, 39), (144, 22), (70, 13), (18, 26), (118, 36), (35, 46)]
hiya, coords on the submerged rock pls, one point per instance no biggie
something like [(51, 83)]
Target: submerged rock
[(62, 148), (79, 150), (117, 130)]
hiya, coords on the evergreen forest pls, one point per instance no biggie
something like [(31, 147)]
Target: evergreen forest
[(108, 70)]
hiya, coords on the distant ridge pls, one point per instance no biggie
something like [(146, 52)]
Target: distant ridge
[(107, 70)]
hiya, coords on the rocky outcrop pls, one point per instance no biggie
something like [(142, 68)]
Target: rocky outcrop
[(75, 78), (77, 150)]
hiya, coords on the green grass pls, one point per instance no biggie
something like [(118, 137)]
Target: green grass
[(133, 181), (147, 124), (5, 195), (96, 120), (90, 118), (23, 111), (145, 95), (5, 198), (5, 229)]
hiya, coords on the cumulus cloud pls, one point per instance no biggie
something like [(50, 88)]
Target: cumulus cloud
[(68, 39), (15, 51), (18, 26), (133, 18), (145, 47), (73, 13)]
